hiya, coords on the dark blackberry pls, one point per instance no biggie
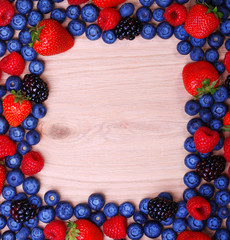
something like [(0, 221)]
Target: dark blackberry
[(22, 210), (128, 28), (227, 84), (160, 209), (211, 168), (35, 88)]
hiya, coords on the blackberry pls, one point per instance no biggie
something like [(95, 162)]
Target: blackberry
[(227, 84), (211, 168), (22, 210), (160, 209), (128, 28), (35, 88)]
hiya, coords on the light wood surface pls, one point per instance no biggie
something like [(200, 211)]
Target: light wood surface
[(115, 122)]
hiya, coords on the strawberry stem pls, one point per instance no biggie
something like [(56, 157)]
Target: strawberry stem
[(35, 33), (206, 88), (226, 128), (211, 9), (19, 97), (73, 232)]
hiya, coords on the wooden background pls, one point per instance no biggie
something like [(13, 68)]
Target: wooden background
[(116, 122)]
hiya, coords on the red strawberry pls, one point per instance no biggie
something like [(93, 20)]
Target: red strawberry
[(202, 20), (205, 139), (13, 64), (50, 38), (227, 149), (226, 122), (199, 208), (7, 146), (189, 235), (227, 61), (175, 14), (108, 18), (200, 78), (16, 108), (6, 12), (55, 230), (107, 3), (77, 2), (115, 227), (2, 176), (83, 230), (32, 163)]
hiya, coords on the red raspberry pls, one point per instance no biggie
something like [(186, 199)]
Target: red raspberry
[(55, 230), (199, 208), (32, 163), (205, 139), (108, 18), (175, 14), (7, 146), (13, 64), (77, 2), (227, 149), (189, 235), (227, 61), (6, 12)]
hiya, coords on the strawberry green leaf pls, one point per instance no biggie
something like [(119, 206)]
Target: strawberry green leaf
[(206, 88), (72, 232), (226, 128)]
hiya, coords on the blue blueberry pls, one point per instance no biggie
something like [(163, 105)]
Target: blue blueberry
[(36, 200), (34, 17), (45, 6), (215, 40), (98, 218), (52, 198), (36, 67), (24, 36), (58, 14), (2, 221), (46, 214), (225, 27), (5, 208), (165, 195), (20, 196), (143, 205), (4, 125), (28, 53), (32, 223), (211, 55), (216, 124), (206, 100), (2, 91), (15, 177), (219, 145), (228, 223), (14, 45), (227, 4), (8, 192), (146, 3), (223, 212), (73, 12), (93, 32), (13, 83), (23, 147), (182, 210), (148, 31), (140, 217), (204, 155), (39, 110), (109, 36), (179, 225), (6, 33), (168, 221), (2, 48), (144, 14), (221, 182), (127, 209), (192, 179), (221, 94), (13, 161), (168, 234), (33, 137), (214, 222), (82, 211), (220, 68), (37, 234), (89, 13), (184, 47), (17, 134), (225, 12), (127, 10), (222, 198), (197, 54), (181, 1), (24, 6), (217, 2), (195, 225), (31, 186), (18, 21), (96, 201), (76, 27), (206, 190), (189, 193), (164, 30), (163, 3), (30, 122), (158, 14), (192, 107), (1, 107), (206, 114), (194, 124), (110, 209), (222, 234), (191, 161), (152, 229), (135, 231), (227, 44), (23, 233), (189, 145), (12, 225), (64, 210), (218, 110), (197, 42), (8, 235), (213, 206)]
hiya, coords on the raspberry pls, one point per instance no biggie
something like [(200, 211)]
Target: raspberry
[(108, 18), (227, 149), (175, 14), (55, 230), (6, 12), (227, 61), (76, 2), (189, 235), (199, 208)]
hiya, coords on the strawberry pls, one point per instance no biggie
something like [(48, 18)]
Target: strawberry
[(76, 2), (7, 146), (175, 14), (227, 149), (115, 227), (13, 64), (16, 108), (189, 235), (205, 139), (49, 37), (226, 122), (32, 163), (55, 230), (2, 176), (6, 12), (227, 61), (202, 20), (199, 208), (108, 18), (83, 230), (200, 78), (107, 3)]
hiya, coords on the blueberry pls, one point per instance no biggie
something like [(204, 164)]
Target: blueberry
[(181, 1), (37, 234), (18, 21), (222, 198), (127, 9), (24, 36), (179, 225), (127, 209), (195, 225), (197, 54), (28, 53), (24, 6), (182, 210), (152, 229), (192, 107), (222, 234), (20, 196), (192, 179), (13, 83), (135, 231), (15, 177), (73, 11), (165, 195), (14, 45), (227, 44), (158, 14), (96, 201), (216, 124), (189, 145), (219, 145), (140, 217), (221, 94), (148, 31), (144, 14), (36, 200), (206, 101), (220, 68), (163, 3), (146, 3), (225, 12), (211, 55), (225, 27), (223, 212), (214, 222), (2, 48), (204, 155), (30, 122), (64, 210), (213, 206), (5, 208), (46, 214), (23, 233), (76, 27), (184, 47), (34, 17), (98, 218), (228, 223), (217, 2), (23, 147), (110, 209), (216, 40), (2, 221), (168, 221), (206, 190), (1, 107), (89, 13), (58, 14), (6, 33), (180, 33), (194, 124), (218, 110), (191, 161), (168, 234), (164, 30), (39, 110), (4, 125), (109, 36), (36, 67), (51, 198), (206, 114), (13, 161), (17, 134), (227, 4), (8, 235), (33, 137), (93, 32), (12, 225), (143, 205), (197, 42), (33, 222), (8, 192), (45, 6), (2, 91), (31, 185), (221, 182), (82, 211)]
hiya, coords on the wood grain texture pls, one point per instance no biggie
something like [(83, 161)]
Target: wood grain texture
[(115, 121)]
